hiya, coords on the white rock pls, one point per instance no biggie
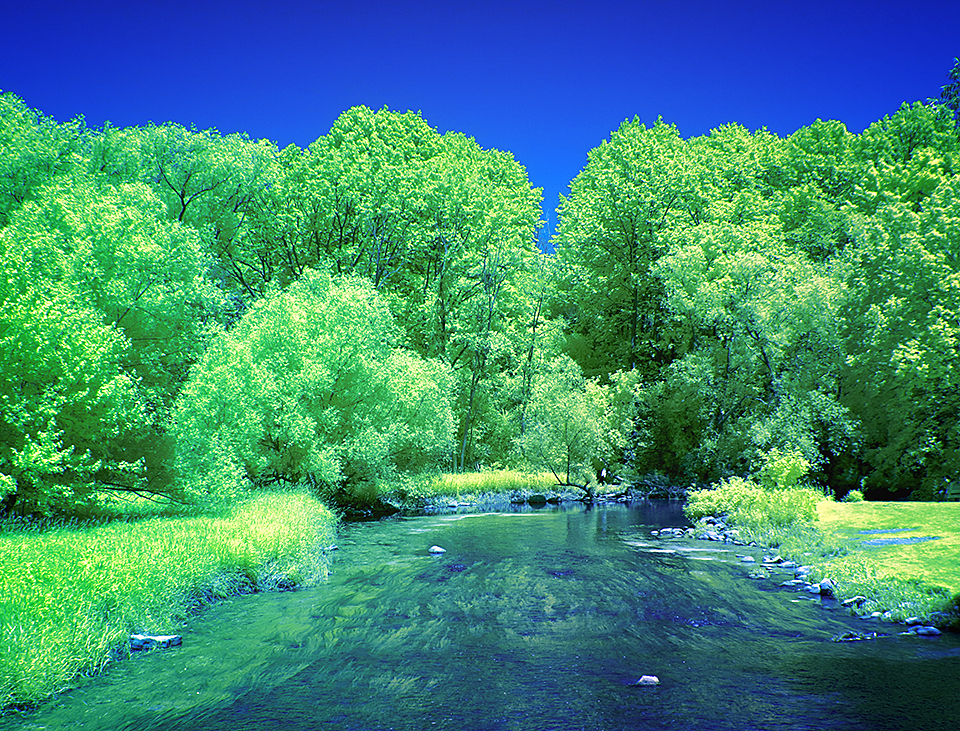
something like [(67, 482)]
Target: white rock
[(437, 549), (648, 680)]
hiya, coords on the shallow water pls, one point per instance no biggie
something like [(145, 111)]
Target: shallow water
[(530, 621)]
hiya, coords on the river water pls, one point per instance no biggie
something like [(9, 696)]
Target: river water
[(530, 621)]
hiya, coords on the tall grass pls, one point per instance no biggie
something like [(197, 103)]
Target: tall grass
[(753, 507), (468, 485), (72, 595)]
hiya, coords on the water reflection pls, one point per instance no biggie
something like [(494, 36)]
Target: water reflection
[(538, 620)]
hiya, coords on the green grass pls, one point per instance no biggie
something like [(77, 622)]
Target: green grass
[(467, 485), (901, 581), (936, 563), (72, 595)]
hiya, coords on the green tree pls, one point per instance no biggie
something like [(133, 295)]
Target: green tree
[(901, 329), (308, 387), (443, 229), (105, 307), (562, 434), (950, 93), (34, 150), (612, 228)]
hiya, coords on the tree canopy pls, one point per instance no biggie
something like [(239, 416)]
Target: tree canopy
[(186, 313)]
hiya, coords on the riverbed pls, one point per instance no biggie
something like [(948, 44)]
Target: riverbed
[(534, 620)]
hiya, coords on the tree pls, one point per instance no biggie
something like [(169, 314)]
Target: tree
[(34, 150), (636, 187), (901, 331), (950, 93), (105, 307), (562, 433), (308, 387), (762, 367), (443, 229)]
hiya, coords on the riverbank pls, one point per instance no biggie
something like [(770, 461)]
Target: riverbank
[(73, 595), (892, 561)]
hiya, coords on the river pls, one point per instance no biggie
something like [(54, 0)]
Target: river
[(534, 621)]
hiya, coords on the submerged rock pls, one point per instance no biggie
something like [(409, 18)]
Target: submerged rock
[(147, 642), (923, 631), (855, 636)]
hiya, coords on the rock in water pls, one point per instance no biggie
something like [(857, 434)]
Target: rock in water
[(827, 588), (437, 549), (147, 642), (647, 680)]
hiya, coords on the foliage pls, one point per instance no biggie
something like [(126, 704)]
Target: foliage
[(901, 330), (562, 434), (756, 508), (73, 595), (728, 296), (783, 471), (104, 307), (854, 496), (612, 228), (442, 228), (34, 150), (950, 93), (308, 387)]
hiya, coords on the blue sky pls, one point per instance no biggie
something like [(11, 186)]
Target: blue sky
[(545, 80)]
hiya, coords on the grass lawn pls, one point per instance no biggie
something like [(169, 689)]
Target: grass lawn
[(935, 562)]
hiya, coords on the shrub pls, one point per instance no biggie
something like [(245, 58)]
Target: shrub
[(746, 504), (309, 387)]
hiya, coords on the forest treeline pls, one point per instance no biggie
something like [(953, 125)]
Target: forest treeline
[(186, 314)]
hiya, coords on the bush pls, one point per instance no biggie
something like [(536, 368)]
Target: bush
[(746, 504), (854, 496), (309, 387), (783, 470)]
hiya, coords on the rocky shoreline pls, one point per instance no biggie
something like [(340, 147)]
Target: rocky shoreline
[(714, 529)]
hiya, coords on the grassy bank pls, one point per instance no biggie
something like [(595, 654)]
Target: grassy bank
[(424, 490), (73, 595), (899, 577)]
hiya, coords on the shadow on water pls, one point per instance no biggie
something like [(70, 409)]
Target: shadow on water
[(536, 621)]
